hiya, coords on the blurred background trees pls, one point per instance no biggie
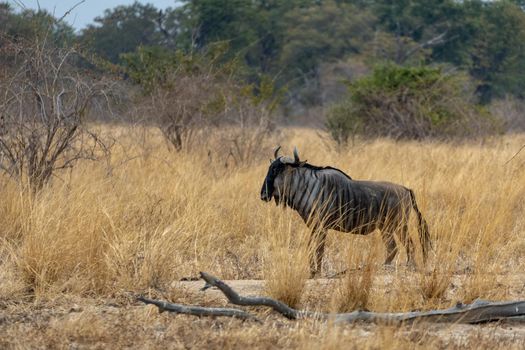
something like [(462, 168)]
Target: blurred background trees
[(315, 54)]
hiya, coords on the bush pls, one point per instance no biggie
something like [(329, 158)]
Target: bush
[(408, 103), (188, 94), (45, 100)]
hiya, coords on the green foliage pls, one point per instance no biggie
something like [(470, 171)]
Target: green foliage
[(325, 31), (30, 25), (264, 92), (293, 41), (417, 19), (343, 122), (406, 102), (255, 30), (483, 37), (391, 78), (149, 66), (496, 51), (422, 20), (233, 20), (123, 29), (189, 91), (154, 67)]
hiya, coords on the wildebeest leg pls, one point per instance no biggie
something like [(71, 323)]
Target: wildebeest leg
[(408, 243), (391, 246), (316, 246)]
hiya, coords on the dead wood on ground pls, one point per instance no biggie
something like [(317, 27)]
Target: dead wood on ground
[(479, 311)]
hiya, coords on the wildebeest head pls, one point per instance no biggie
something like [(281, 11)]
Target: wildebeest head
[(275, 181)]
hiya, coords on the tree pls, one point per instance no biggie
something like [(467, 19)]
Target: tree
[(123, 29), (250, 28), (435, 24), (497, 51), (406, 102), (188, 92), (322, 32), (483, 37), (232, 21), (30, 24)]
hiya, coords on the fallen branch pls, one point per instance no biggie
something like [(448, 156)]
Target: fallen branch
[(478, 312), (237, 299), (198, 310)]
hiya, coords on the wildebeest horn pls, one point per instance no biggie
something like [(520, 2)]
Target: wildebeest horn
[(296, 155), (276, 153)]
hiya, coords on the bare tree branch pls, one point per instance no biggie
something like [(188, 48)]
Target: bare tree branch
[(437, 40), (198, 310), (237, 299), (69, 11)]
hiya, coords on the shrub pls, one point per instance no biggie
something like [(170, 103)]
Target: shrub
[(44, 103), (186, 94), (407, 103)]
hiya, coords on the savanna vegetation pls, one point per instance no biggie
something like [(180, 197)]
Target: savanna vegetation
[(132, 153)]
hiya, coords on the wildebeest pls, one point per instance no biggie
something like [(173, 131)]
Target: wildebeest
[(327, 198)]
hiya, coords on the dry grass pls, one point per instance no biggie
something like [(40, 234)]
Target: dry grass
[(150, 217), (355, 288), (286, 266)]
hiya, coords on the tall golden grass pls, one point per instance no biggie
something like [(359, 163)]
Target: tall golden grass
[(148, 217)]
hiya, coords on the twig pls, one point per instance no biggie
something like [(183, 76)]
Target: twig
[(515, 154), (198, 310), (21, 4), (69, 11)]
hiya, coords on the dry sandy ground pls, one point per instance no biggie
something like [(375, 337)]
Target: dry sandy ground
[(121, 322)]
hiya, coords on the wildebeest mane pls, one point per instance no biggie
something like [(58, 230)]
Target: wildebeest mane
[(315, 167)]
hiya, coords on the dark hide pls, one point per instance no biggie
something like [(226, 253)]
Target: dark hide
[(327, 198)]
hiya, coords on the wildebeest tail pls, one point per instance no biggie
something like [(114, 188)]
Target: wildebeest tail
[(424, 234)]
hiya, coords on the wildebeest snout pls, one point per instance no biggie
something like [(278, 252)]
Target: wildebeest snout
[(265, 193)]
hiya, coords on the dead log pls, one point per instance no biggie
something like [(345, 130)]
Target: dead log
[(478, 312)]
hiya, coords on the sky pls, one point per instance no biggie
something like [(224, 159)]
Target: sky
[(84, 13)]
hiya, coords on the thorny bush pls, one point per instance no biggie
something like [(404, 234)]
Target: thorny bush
[(45, 100)]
